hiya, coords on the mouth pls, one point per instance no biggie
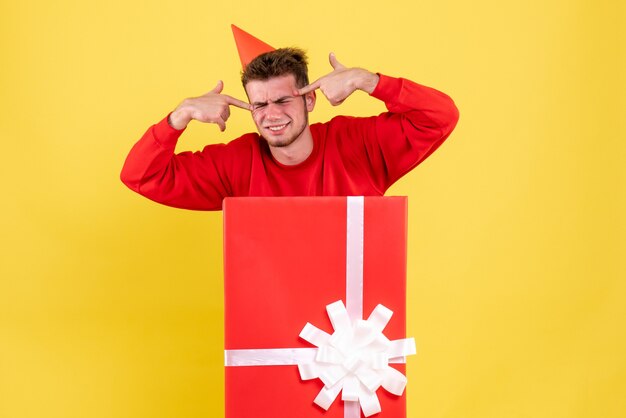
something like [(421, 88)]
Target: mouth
[(277, 129)]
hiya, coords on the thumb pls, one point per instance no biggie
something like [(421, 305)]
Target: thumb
[(334, 62), (218, 89)]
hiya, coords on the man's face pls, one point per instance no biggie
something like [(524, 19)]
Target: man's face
[(280, 117)]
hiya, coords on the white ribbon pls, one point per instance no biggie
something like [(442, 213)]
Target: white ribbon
[(269, 356), (355, 359), (354, 256)]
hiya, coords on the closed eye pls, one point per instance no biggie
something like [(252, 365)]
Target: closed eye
[(257, 106)]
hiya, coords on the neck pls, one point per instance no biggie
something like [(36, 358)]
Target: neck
[(296, 152)]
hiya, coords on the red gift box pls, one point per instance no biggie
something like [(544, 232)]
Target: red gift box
[(285, 260)]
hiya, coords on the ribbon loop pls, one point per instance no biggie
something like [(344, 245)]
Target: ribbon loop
[(369, 403), (379, 318), (314, 335), (327, 396), (401, 348), (393, 381), (350, 391), (338, 316), (308, 371)]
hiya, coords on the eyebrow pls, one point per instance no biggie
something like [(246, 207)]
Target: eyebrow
[(272, 101)]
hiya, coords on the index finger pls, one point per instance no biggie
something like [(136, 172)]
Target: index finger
[(236, 102), (307, 89)]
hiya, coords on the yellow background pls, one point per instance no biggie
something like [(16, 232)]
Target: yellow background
[(111, 305)]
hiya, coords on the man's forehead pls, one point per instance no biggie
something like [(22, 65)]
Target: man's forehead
[(272, 88)]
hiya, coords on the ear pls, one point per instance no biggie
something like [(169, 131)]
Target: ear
[(309, 100)]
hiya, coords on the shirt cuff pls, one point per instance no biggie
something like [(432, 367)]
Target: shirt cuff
[(387, 88), (164, 134)]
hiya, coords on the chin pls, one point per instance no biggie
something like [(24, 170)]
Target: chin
[(279, 142)]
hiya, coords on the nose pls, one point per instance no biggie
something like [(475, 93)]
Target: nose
[(273, 111)]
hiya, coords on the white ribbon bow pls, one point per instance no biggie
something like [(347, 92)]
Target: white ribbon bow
[(355, 359)]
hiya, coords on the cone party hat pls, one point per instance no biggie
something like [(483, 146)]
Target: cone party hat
[(248, 46)]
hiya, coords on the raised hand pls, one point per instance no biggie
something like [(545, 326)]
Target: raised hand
[(211, 107), (341, 82)]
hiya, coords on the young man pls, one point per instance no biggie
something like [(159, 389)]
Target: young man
[(346, 156)]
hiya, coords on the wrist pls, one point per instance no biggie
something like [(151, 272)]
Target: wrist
[(368, 81), (178, 120)]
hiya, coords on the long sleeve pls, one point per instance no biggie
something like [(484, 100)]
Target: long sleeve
[(419, 120), (185, 180)]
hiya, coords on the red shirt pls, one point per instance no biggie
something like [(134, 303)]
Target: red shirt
[(351, 156)]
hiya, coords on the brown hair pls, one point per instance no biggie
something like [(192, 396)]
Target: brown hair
[(277, 63)]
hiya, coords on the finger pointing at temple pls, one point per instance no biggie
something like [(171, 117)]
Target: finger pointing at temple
[(238, 103), (307, 89), (337, 66)]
